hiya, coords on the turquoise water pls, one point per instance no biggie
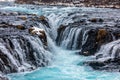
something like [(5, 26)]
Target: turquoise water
[(66, 65)]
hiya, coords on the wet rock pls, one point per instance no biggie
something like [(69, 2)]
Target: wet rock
[(101, 34), (96, 65), (13, 13), (96, 38), (60, 31), (117, 33), (44, 20), (88, 40), (30, 30), (61, 28), (96, 20), (22, 17), (21, 27), (109, 65), (16, 38), (3, 78), (93, 20), (4, 25), (100, 20), (108, 57), (40, 33)]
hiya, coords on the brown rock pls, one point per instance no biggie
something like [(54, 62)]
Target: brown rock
[(30, 30), (40, 33), (101, 34), (23, 17), (96, 20), (42, 18), (93, 20), (61, 28), (20, 27)]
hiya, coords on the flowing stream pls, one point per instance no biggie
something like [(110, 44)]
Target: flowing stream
[(66, 64)]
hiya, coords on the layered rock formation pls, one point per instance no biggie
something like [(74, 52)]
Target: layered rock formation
[(20, 48), (24, 44), (89, 34), (88, 3), (107, 58)]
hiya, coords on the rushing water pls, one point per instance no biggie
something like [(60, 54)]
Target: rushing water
[(66, 65)]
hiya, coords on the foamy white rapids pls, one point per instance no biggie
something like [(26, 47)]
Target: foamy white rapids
[(109, 51), (66, 65)]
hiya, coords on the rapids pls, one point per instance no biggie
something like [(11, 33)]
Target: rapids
[(66, 64)]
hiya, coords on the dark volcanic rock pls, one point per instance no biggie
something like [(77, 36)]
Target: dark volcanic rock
[(87, 3), (108, 58), (90, 34), (94, 36), (20, 50)]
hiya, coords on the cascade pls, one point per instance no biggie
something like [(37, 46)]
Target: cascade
[(67, 31)]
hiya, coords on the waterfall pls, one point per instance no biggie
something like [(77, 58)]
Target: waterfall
[(49, 39), (23, 54), (109, 51)]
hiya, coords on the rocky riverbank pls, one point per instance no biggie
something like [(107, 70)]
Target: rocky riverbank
[(78, 3)]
